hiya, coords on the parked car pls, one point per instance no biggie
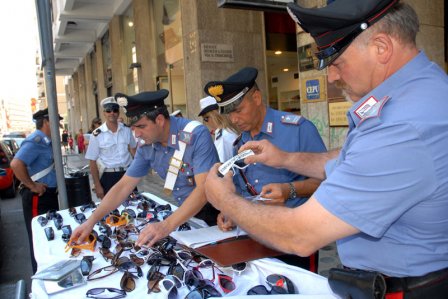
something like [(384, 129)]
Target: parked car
[(12, 143), (17, 136), (8, 181)]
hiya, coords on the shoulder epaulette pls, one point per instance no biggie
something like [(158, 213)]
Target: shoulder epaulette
[(290, 119), (96, 132)]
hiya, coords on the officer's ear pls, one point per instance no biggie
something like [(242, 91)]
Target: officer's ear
[(256, 97)]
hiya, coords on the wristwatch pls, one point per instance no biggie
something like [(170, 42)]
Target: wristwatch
[(292, 191)]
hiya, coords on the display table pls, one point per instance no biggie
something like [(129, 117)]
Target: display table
[(47, 253)]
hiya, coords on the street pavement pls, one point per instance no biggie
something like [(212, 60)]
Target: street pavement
[(15, 261)]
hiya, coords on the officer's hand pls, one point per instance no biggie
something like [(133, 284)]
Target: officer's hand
[(217, 188), (81, 233), (225, 223), (277, 192), (38, 188), (152, 233), (99, 191), (265, 152)]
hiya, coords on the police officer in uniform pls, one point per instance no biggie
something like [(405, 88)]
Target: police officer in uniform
[(179, 150), (111, 148), (385, 194), (33, 165), (240, 98)]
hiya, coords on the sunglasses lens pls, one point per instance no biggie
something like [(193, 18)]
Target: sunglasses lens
[(226, 283), (258, 290), (239, 267), (127, 282)]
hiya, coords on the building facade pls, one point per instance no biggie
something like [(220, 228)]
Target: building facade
[(103, 47)]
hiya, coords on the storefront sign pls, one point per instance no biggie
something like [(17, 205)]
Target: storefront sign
[(217, 52), (337, 113), (312, 89), (278, 5)]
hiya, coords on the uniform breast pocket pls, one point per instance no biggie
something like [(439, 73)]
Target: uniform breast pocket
[(108, 148), (186, 176)]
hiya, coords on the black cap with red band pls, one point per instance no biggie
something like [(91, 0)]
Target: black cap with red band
[(336, 25)]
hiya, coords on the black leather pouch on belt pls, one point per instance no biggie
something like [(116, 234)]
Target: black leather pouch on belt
[(357, 284)]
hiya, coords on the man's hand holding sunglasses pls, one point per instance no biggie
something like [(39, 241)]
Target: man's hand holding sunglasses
[(82, 232), (265, 152)]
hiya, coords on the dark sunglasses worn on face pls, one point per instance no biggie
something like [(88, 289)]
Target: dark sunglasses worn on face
[(205, 119), (115, 110), (110, 293)]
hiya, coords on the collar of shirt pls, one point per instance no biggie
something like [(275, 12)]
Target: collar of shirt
[(174, 133), (383, 91), (104, 127), (43, 138)]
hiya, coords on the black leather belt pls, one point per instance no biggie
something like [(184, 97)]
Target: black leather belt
[(399, 284)]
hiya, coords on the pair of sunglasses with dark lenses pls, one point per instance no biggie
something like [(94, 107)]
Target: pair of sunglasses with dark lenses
[(114, 110), (42, 221), (66, 233), (80, 218), (90, 205), (86, 265), (111, 293), (279, 285)]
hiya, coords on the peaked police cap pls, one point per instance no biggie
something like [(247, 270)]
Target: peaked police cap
[(230, 92), (137, 105), (336, 25)]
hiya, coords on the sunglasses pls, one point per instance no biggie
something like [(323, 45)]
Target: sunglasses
[(111, 110), (102, 272), (86, 265), (110, 293), (206, 119), (66, 233), (169, 286), (49, 232), (281, 281), (42, 220), (127, 282), (154, 277), (72, 211), (90, 244), (113, 220), (203, 292), (239, 268), (232, 163)]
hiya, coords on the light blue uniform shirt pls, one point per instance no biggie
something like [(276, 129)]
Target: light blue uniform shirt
[(200, 155), (37, 154), (289, 132), (391, 178)]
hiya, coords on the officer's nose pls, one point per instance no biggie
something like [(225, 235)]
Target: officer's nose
[(333, 74), (233, 117)]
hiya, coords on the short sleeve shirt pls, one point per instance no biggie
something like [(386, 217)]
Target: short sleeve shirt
[(391, 178), (37, 154), (200, 155), (111, 147), (289, 132)]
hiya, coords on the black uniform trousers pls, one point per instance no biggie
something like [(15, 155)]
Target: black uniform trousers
[(109, 179), (34, 205)]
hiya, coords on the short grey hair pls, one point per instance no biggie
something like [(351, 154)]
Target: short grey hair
[(401, 22)]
